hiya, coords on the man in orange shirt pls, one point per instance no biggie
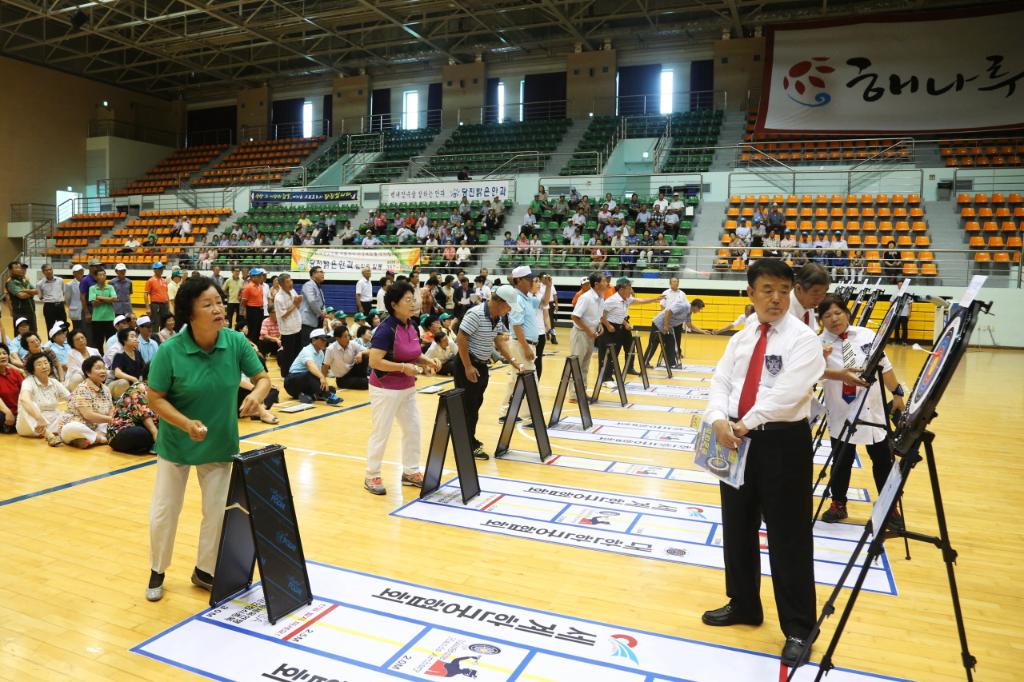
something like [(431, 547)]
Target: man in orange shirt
[(156, 296), (251, 300), (584, 288)]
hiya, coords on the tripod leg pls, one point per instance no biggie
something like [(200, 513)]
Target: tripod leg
[(949, 556)]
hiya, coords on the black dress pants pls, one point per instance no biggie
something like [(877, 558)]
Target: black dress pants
[(612, 343), (777, 486), (291, 344), (473, 397), (134, 440), (52, 313), (538, 362), (254, 320), (881, 463), (297, 383), (668, 340)]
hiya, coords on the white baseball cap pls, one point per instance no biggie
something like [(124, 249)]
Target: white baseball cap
[(144, 320), (119, 319), (522, 271), (19, 321), (507, 293), (121, 266), (584, 280), (78, 267), (57, 328), (316, 334)]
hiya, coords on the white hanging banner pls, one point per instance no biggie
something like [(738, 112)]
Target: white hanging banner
[(895, 74), (474, 190)]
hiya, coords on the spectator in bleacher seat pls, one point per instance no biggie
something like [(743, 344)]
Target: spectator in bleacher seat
[(633, 209), (455, 218), (758, 217), (472, 238), (642, 217), (39, 401), (380, 221), (123, 286), (463, 174), (656, 222), (422, 230), (776, 219), (303, 223), (403, 235), (560, 209), (661, 203), (577, 242), (574, 198), (529, 222), (370, 239), (457, 232), (856, 267), (578, 219), (131, 245), (670, 225), (51, 293), (537, 246), (610, 201), (772, 244), (184, 227), (662, 251), (464, 208), (745, 232), (347, 234), (448, 256), (21, 293), (598, 256), (788, 242), (463, 255), (676, 205), (737, 247), (509, 244), (757, 234), (491, 222), (822, 241), (604, 216)]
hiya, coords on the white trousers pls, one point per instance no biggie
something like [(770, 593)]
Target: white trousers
[(386, 406), (168, 495), (582, 346), (519, 355)]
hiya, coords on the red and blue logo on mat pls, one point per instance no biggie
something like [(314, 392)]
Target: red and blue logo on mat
[(624, 645), (805, 83)]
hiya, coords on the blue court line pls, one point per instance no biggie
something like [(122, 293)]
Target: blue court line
[(151, 462)]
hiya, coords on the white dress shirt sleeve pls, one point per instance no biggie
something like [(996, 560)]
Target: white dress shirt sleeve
[(805, 364)]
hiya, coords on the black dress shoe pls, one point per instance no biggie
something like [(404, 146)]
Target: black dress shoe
[(794, 653), (730, 615)]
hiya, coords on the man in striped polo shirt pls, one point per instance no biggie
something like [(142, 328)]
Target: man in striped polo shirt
[(484, 328)]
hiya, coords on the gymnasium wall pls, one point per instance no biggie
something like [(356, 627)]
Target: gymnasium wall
[(44, 124)]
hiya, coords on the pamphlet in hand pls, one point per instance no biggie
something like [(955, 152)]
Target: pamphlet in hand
[(723, 463)]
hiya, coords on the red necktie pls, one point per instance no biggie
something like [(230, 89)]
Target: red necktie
[(807, 317), (749, 393)]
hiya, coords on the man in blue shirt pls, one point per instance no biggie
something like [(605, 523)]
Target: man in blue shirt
[(306, 381), (525, 326), (678, 314), (148, 344)]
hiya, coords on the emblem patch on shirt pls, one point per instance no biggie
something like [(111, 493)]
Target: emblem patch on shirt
[(866, 348), (773, 363)]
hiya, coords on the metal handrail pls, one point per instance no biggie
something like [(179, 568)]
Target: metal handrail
[(899, 143), (267, 169), (32, 212), (793, 174), (133, 131), (517, 155)]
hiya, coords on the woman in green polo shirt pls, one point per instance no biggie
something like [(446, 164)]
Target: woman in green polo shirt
[(193, 386)]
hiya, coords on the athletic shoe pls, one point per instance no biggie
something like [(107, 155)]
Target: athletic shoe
[(501, 419), (332, 399), (415, 480), (375, 485), (480, 453), (202, 579), (836, 512), (155, 590), (305, 399)]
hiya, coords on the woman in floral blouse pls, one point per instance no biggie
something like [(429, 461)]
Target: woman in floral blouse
[(133, 427), (89, 408)]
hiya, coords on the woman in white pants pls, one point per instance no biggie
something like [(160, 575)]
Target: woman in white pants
[(396, 357), (38, 401)]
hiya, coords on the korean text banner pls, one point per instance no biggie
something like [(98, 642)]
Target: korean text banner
[(448, 191), (352, 261), (930, 74), (278, 196)]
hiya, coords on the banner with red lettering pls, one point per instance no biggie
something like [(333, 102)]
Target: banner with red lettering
[(892, 75)]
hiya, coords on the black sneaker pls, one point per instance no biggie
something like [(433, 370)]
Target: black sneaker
[(501, 420), (836, 512), (480, 453), (305, 399), (202, 579)]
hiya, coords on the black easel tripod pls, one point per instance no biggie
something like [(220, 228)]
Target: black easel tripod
[(912, 434)]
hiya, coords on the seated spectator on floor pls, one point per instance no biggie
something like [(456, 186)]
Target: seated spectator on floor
[(21, 327), (348, 361), (58, 343), (444, 351), (39, 401), (168, 330), (305, 381), (80, 350), (31, 345), (270, 334), (10, 387), (128, 366), (113, 346), (245, 387), (90, 408), (132, 427), (148, 344)]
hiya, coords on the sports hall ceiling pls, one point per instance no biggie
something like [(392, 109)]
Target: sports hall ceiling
[(199, 49)]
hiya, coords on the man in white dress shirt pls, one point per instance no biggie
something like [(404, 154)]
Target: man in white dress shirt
[(761, 390), (671, 296), (588, 321), (364, 292), (616, 312), (811, 285)]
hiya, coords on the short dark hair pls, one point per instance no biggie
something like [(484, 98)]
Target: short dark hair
[(594, 278), (395, 293), (698, 303), (189, 291), (340, 331), (168, 316), (89, 363), (769, 267), (833, 300), (4, 348), (315, 269), (362, 330), (72, 335), (812, 274), (33, 358), (122, 335)]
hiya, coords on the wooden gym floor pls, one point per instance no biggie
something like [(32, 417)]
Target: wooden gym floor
[(74, 554)]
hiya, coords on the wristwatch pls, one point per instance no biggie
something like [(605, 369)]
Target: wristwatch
[(898, 390)]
